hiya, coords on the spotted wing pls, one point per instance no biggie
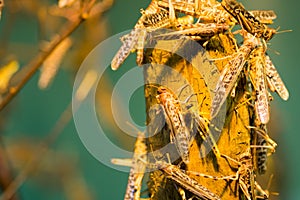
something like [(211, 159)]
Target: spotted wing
[(264, 16), (275, 80), (227, 80), (129, 43), (257, 75), (137, 170)]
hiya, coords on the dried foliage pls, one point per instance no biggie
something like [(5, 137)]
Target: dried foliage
[(187, 89), (52, 29), (214, 162)]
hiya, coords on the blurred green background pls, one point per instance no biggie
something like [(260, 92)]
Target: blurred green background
[(68, 167)]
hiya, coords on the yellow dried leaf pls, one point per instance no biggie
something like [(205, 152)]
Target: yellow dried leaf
[(52, 63), (6, 73)]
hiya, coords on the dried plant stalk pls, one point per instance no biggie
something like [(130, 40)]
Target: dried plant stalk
[(234, 138)]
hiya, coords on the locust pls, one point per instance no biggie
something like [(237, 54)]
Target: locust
[(179, 133), (244, 175), (137, 170), (247, 20), (176, 174), (257, 74), (262, 146), (231, 72)]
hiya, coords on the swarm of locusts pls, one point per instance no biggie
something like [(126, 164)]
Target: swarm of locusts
[(201, 20)]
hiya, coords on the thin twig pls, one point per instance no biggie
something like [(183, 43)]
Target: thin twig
[(86, 85), (37, 61)]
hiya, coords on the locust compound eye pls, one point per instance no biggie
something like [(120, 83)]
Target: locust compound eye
[(268, 34), (161, 90)]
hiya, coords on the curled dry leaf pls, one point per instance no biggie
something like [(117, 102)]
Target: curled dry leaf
[(6, 73), (52, 63)]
